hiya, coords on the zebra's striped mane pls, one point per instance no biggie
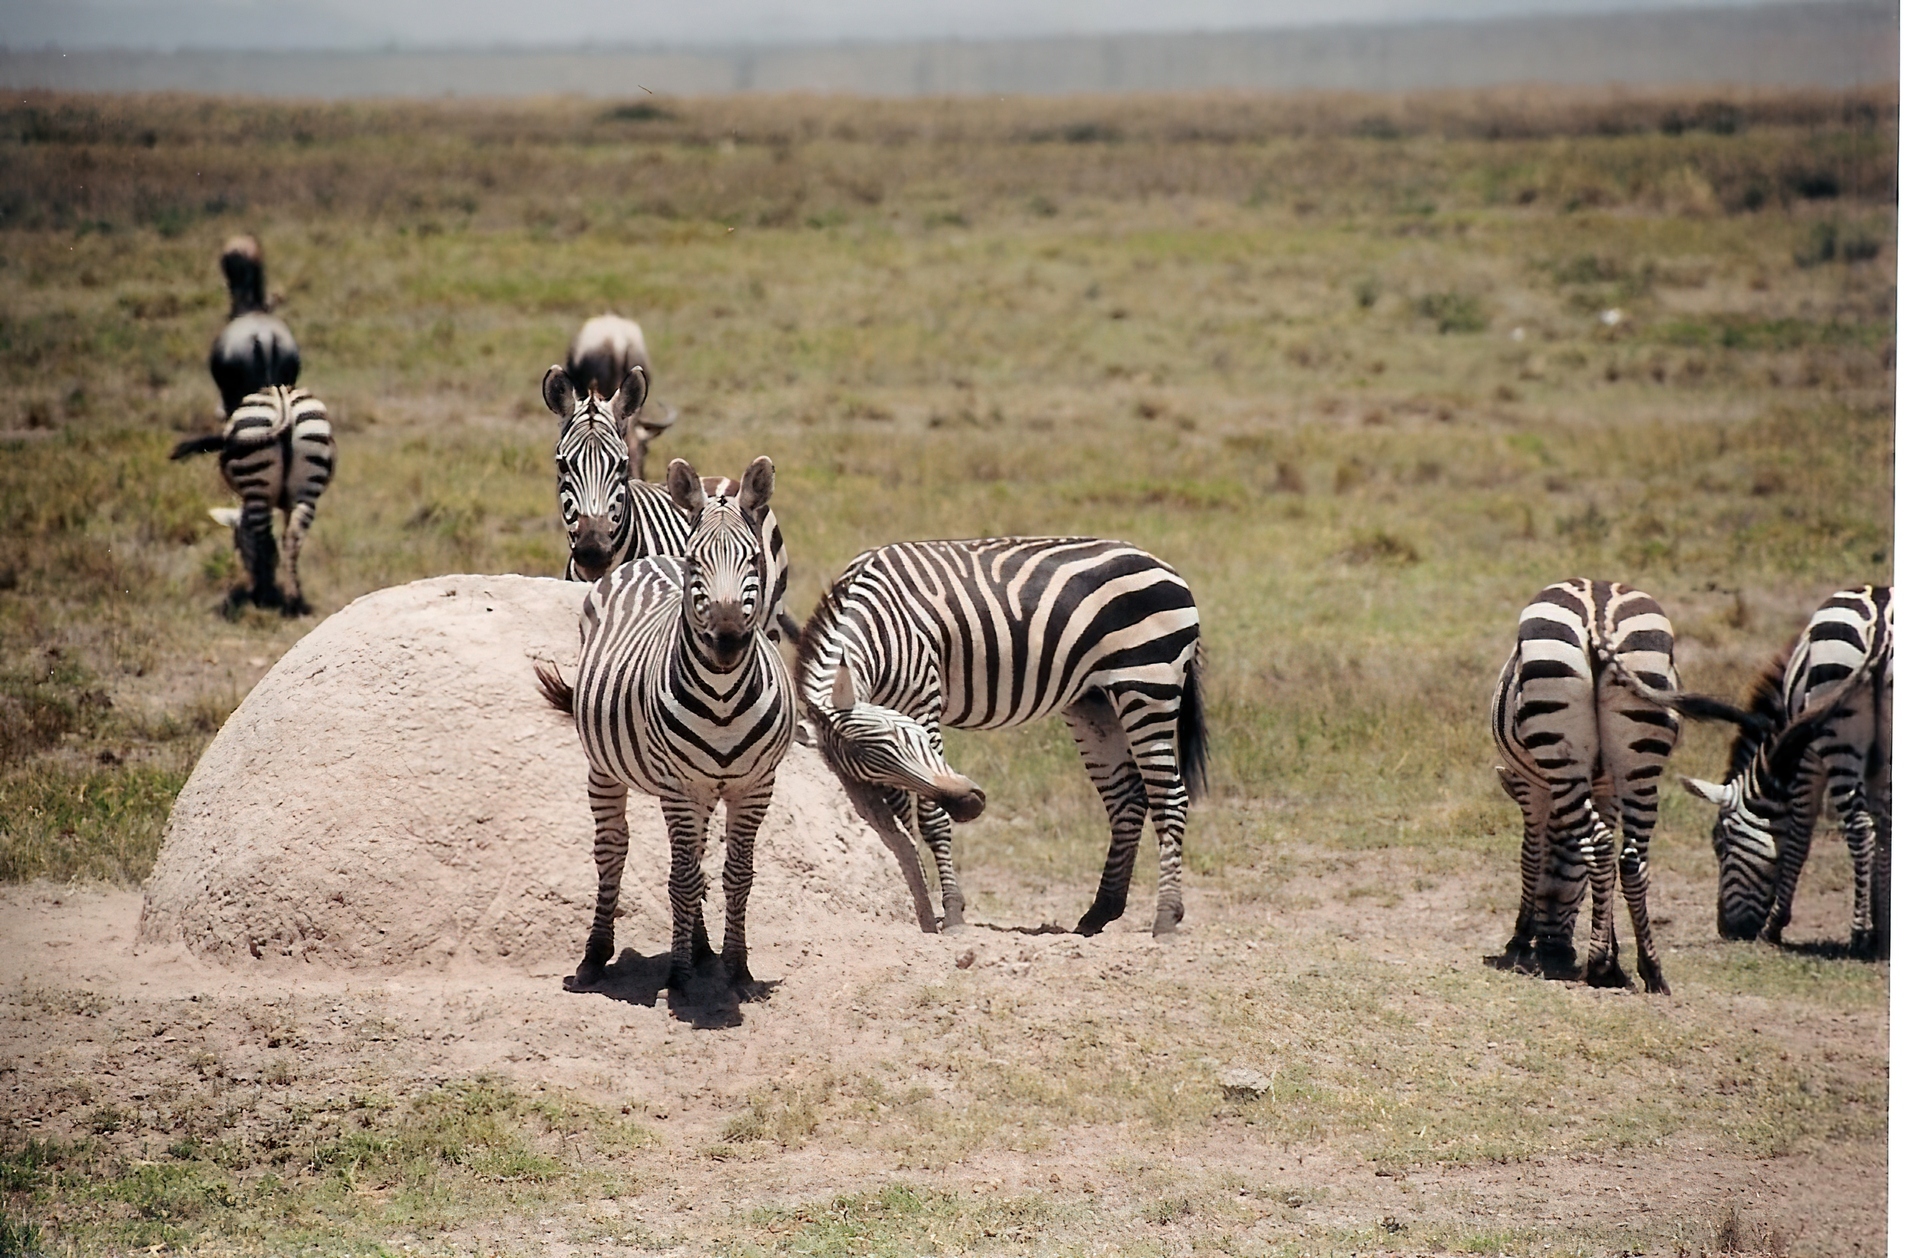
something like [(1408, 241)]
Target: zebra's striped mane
[(1766, 702)]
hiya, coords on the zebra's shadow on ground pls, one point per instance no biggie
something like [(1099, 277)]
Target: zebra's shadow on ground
[(708, 1003)]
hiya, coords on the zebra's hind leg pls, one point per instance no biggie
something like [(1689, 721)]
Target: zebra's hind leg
[(1150, 716), (1563, 885), (1519, 953), (1109, 762), (1857, 823), (743, 826), (687, 832), (253, 538), (1603, 944), (1633, 885), (607, 796), (298, 521)]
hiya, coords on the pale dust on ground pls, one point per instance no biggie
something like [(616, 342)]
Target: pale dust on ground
[(851, 1010)]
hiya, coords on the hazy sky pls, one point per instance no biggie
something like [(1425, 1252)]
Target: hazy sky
[(168, 24)]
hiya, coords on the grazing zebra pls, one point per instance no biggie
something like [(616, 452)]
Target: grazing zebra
[(681, 696), (275, 452), (1582, 756), (1842, 661), (255, 350), (602, 354), (992, 633), (611, 517)]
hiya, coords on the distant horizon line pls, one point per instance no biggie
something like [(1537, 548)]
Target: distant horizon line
[(749, 46)]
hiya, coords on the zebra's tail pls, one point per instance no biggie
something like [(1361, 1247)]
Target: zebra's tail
[(198, 445), (1192, 732), (1695, 707), (553, 687)]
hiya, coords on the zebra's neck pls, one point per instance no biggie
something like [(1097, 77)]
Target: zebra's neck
[(724, 689)]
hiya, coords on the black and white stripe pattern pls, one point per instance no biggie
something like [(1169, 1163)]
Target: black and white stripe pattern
[(602, 354), (276, 452), (610, 516), (255, 350), (680, 695), (992, 633), (1582, 749), (1842, 661)]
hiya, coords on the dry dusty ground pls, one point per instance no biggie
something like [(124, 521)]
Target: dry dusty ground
[(893, 1040)]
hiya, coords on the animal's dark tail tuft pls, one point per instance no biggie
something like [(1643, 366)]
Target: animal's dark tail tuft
[(1192, 733), (198, 445), (553, 687)]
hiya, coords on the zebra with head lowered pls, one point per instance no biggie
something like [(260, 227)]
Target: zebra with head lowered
[(992, 633), (602, 354), (255, 350), (1841, 662), (276, 452), (1582, 751), (610, 517), (679, 694)]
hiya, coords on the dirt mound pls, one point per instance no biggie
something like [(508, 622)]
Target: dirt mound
[(395, 791)]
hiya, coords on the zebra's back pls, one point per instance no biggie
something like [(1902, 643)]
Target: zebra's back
[(1024, 626)]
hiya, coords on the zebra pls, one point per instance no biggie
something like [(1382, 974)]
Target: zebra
[(1582, 749), (602, 354), (254, 350), (1842, 661), (679, 695), (611, 517), (995, 632), (276, 451)]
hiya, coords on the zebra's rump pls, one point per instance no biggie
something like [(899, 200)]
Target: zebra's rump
[(1850, 631), (278, 448)]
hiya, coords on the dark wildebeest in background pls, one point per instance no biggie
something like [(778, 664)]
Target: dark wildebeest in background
[(602, 354), (255, 350)]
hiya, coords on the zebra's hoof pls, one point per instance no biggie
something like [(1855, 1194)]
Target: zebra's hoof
[(296, 607), (1862, 946), (1165, 921), (1656, 982), (1520, 958), (588, 976), (1607, 974), (1558, 961), (955, 915)]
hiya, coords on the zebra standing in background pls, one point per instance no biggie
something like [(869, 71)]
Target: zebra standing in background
[(610, 517), (680, 695), (992, 633), (1582, 756), (255, 350), (1842, 660), (602, 354), (276, 451)]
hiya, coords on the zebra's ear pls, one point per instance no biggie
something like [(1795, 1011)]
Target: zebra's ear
[(1714, 793), (557, 390), (756, 486), (631, 397), (844, 694), (684, 487)]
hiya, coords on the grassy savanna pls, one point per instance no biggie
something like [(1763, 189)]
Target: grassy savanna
[(1368, 371)]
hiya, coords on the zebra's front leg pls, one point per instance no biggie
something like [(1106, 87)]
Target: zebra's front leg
[(1519, 952), (298, 521), (1109, 762), (936, 829), (743, 826), (607, 796), (686, 884)]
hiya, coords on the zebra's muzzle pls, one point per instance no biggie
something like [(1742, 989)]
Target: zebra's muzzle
[(962, 800), (593, 547)]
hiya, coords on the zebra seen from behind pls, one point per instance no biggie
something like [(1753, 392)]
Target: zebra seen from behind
[(1775, 786), (610, 517), (276, 452), (993, 633), (602, 354), (254, 350), (1581, 752), (679, 694)]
